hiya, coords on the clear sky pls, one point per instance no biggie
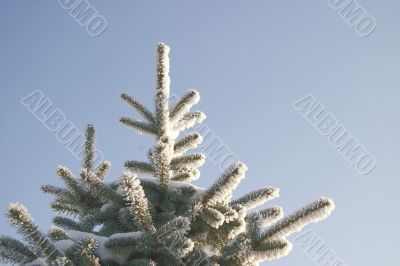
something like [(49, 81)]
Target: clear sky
[(250, 62)]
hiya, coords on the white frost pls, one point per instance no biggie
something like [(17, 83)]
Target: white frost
[(37, 262), (64, 244), (177, 185), (101, 251), (105, 207)]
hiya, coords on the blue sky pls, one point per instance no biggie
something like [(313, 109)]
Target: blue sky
[(250, 63)]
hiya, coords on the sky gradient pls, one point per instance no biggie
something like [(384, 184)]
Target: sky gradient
[(250, 62)]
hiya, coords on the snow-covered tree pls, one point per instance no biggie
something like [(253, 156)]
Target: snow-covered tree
[(153, 215)]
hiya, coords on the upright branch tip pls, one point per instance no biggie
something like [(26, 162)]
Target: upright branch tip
[(89, 147)]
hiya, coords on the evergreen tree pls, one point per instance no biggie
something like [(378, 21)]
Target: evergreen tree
[(153, 215)]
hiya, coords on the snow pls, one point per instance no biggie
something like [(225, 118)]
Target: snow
[(128, 235), (313, 212), (189, 121), (221, 191), (64, 244), (18, 214), (177, 185), (191, 98), (37, 262), (106, 206), (208, 251), (257, 201), (101, 251)]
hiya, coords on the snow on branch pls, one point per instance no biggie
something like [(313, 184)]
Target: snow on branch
[(119, 243), (66, 223), (93, 181), (57, 191), (162, 156), (257, 197), (14, 251), (64, 207), (271, 250), (103, 169), (162, 89), (265, 217), (189, 161), (212, 217), (68, 178), (140, 127), (84, 250), (187, 176), (191, 141), (183, 106), (139, 167), (103, 250), (143, 111), (314, 212), (89, 147), (134, 194), (189, 120), (19, 217), (221, 191), (242, 252), (57, 233)]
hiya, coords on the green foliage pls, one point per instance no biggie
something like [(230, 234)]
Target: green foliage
[(222, 190), (136, 198), (57, 233), (19, 217), (14, 251), (83, 253), (138, 107), (89, 148)]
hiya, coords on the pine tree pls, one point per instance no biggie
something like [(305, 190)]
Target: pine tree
[(153, 215)]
